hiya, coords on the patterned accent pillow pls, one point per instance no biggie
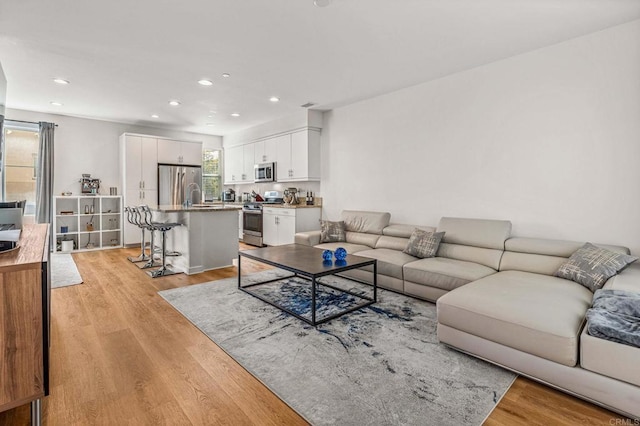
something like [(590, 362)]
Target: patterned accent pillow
[(332, 232), (423, 244), (592, 266)]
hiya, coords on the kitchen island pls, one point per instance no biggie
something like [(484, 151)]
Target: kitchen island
[(207, 239)]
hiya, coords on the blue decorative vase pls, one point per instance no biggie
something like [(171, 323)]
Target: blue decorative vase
[(327, 255), (341, 254)]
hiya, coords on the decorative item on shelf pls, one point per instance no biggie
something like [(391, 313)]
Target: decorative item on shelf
[(66, 212), (113, 191), (341, 254), (66, 193), (86, 209), (89, 226), (64, 229), (90, 186), (327, 255)]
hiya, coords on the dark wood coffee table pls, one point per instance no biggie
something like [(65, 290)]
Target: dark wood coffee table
[(306, 262)]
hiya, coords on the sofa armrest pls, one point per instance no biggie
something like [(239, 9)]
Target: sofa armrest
[(628, 279), (308, 238)]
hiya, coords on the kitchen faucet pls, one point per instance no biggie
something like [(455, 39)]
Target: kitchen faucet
[(189, 200)]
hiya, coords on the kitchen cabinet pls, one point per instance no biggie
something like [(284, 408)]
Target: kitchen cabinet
[(265, 151), (74, 214), (179, 152), (298, 156), (279, 225), (139, 162), (138, 177), (25, 292), (238, 164)]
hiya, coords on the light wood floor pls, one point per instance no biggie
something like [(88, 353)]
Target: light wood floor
[(121, 355)]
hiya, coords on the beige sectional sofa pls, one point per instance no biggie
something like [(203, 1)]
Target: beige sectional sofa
[(497, 299)]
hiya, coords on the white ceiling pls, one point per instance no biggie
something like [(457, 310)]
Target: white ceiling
[(126, 59)]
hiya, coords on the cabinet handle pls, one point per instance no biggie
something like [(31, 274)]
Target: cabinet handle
[(264, 158), (139, 184), (142, 184)]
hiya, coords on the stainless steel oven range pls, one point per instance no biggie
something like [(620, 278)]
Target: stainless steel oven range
[(252, 218), (252, 224)]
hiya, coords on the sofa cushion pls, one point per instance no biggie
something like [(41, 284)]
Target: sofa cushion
[(537, 314), (592, 266), (484, 256), (390, 262), (393, 243), (368, 240), (363, 221), (475, 232), (423, 244), (331, 232), (404, 231), (444, 273), (350, 248), (549, 247)]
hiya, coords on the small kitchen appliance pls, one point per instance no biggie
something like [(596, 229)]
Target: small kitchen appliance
[(265, 172), (89, 185), (229, 195)]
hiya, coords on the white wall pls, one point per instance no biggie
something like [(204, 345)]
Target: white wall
[(549, 140), (91, 146)]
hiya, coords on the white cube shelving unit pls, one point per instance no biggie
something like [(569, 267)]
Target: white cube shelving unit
[(92, 222)]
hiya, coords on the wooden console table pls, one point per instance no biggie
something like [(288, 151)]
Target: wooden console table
[(24, 321)]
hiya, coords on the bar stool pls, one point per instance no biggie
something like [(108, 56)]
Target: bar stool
[(133, 217), (163, 227), (143, 217)]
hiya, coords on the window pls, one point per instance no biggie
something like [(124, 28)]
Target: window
[(19, 168), (211, 178)]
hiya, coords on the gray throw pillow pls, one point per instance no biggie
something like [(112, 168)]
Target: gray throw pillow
[(423, 244), (592, 266), (332, 232)]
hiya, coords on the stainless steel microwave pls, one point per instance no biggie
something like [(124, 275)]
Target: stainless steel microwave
[(265, 172)]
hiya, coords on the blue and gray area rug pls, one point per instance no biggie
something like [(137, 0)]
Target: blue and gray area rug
[(378, 365)]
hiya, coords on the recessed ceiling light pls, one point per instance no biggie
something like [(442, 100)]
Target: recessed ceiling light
[(274, 99), (205, 82), (210, 124), (155, 116), (235, 114), (56, 103), (209, 116), (9, 132), (174, 103), (61, 81), (226, 75), (322, 3)]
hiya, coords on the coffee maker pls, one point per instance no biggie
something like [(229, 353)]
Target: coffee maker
[(89, 185), (229, 195)]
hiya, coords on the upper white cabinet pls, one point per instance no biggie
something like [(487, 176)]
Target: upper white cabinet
[(139, 162), (238, 164), (265, 151), (298, 156), (179, 152)]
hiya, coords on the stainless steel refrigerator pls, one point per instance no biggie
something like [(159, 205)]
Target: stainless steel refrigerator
[(179, 183)]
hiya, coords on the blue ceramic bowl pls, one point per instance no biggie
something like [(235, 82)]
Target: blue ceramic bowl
[(341, 254)]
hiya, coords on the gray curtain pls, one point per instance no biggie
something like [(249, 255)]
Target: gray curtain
[(44, 182)]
